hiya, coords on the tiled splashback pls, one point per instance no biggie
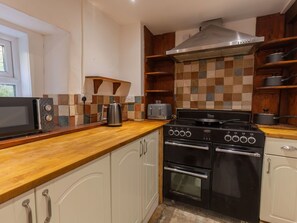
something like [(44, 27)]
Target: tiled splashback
[(220, 83), (70, 111)]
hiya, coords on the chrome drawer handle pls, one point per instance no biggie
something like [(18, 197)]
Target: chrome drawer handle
[(49, 206), (237, 152), (28, 210), (289, 148), (186, 145), (186, 172)]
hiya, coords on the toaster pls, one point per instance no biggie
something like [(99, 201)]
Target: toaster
[(159, 111)]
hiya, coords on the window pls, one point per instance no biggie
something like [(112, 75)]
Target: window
[(9, 77)]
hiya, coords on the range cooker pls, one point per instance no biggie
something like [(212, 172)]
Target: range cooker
[(213, 159)]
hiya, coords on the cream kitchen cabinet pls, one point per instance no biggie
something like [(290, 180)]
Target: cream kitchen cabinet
[(19, 210), (82, 195), (134, 171), (279, 181)]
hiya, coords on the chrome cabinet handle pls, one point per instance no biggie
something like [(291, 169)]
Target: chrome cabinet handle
[(268, 166), (145, 146), (237, 152), (186, 172), (28, 210), (141, 149), (288, 148), (186, 145), (49, 206)]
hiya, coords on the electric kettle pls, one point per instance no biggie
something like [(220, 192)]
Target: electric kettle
[(114, 114)]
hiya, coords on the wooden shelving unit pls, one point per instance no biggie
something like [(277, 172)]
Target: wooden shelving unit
[(98, 80), (282, 42), (277, 87), (159, 68), (279, 64)]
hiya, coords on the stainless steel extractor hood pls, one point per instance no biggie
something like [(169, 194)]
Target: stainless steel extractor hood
[(214, 41)]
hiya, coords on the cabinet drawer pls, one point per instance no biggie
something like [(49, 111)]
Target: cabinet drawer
[(281, 147)]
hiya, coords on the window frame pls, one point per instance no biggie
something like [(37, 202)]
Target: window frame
[(12, 75)]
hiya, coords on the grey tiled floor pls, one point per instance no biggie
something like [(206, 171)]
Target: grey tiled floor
[(171, 212)]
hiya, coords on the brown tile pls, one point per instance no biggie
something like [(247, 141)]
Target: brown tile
[(137, 114), (186, 97), (179, 90), (88, 109), (247, 88), (179, 97), (187, 76), (210, 81), (228, 64), (137, 107), (228, 89), (179, 104), (80, 109), (63, 99), (72, 121), (210, 89), (248, 71), (236, 97), (179, 76), (237, 80), (228, 97), (229, 72), (194, 83), (117, 99), (94, 99), (194, 104), (56, 110), (247, 63), (218, 104), (201, 104), (194, 75), (238, 63), (202, 65), (76, 99), (219, 81)]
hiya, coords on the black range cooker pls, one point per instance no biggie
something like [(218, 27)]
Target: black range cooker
[(213, 159)]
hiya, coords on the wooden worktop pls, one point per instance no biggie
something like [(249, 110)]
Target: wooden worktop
[(27, 166), (282, 133)]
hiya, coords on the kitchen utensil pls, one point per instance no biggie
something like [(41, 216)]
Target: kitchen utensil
[(277, 80), (212, 121), (279, 56), (267, 118), (114, 114)]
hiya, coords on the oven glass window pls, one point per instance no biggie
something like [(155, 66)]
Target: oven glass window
[(186, 185), (14, 116)]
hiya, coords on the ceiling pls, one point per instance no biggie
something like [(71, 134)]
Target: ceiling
[(162, 16)]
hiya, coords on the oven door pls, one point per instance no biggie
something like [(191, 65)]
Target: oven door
[(187, 184), (236, 181), (188, 152)]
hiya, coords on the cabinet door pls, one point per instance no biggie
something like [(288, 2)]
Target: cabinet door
[(279, 193), (17, 210), (150, 174), (125, 181), (82, 195)]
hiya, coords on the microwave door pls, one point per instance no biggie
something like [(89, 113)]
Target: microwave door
[(16, 116)]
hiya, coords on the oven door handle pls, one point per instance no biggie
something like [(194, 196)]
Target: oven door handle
[(237, 152), (186, 172), (186, 145)]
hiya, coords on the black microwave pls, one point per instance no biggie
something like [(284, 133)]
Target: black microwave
[(24, 116)]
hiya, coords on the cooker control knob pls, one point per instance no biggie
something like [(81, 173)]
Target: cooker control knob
[(227, 138), (251, 140), (243, 139), (48, 118), (170, 132), (48, 107), (182, 133), (235, 138), (176, 132), (188, 134)]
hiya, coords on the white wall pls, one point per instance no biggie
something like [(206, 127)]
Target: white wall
[(65, 15), (131, 57)]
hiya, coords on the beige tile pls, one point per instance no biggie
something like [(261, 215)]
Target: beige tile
[(72, 110), (131, 115), (210, 104), (237, 88), (63, 110), (247, 80), (187, 83), (186, 104), (195, 67), (54, 97), (179, 83), (201, 97), (228, 80), (71, 99), (187, 90), (211, 65), (202, 82), (187, 68), (79, 119), (219, 97), (211, 74), (194, 97), (236, 105), (248, 63), (247, 97), (220, 73)]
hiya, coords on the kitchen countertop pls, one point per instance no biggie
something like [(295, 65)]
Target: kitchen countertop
[(282, 133), (24, 167)]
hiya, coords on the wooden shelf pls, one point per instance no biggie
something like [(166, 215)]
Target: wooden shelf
[(98, 80), (277, 87), (279, 64), (278, 43), (159, 57), (158, 73), (158, 91)]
